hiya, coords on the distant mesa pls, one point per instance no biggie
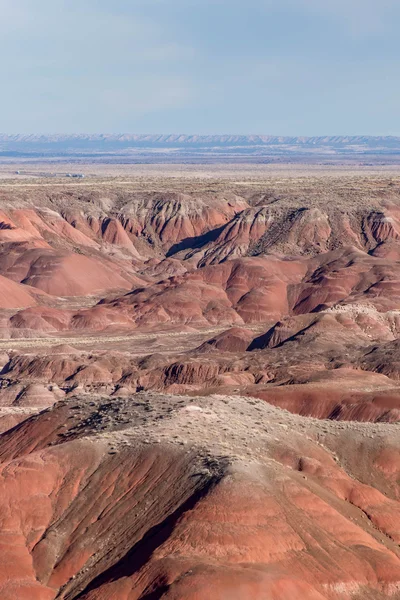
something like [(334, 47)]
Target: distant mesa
[(96, 145)]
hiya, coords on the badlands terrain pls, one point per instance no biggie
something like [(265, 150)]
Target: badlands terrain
[(200, 385)]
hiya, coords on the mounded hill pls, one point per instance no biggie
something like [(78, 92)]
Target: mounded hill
[(199, 389), (174, 497)]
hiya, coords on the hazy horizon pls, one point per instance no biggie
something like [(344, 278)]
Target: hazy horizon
[(188, 134)]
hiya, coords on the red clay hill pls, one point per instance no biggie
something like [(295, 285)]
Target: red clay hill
[(199, 389), (194, 498)]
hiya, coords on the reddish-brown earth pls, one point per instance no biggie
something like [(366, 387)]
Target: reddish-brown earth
[(310, 265), (297, 277), (199, 389), (194, 498)]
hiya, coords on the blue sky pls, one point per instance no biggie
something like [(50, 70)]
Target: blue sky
[(284, 67)]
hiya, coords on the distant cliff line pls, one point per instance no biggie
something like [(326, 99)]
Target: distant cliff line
[(177, 140)]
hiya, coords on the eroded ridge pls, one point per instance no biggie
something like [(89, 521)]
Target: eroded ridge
[(182, 497)]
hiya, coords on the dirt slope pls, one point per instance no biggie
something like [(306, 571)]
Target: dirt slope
[(199, 390), (218, 495)]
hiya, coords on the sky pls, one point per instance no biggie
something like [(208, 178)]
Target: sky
[(279, 67)]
